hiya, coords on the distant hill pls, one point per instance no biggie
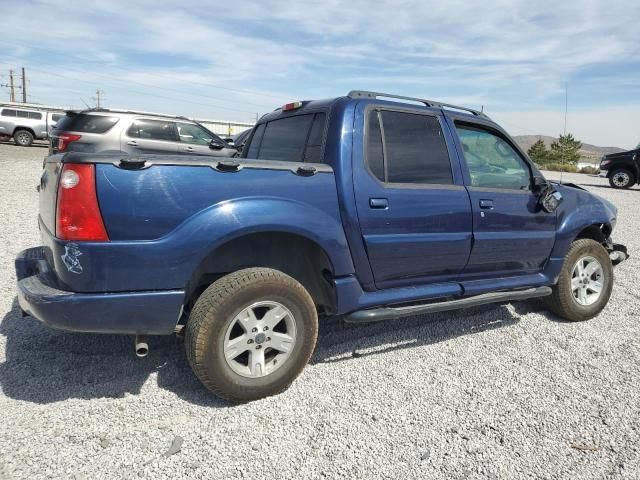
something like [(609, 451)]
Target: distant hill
[(587, 152)]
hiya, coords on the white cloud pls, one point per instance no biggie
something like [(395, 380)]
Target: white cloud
[(506, 55)]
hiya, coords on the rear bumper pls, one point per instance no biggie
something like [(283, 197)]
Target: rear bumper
[(603, 173), (152, 313)]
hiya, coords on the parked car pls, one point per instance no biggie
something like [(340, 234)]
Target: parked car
[(373, 209), (622, 169), (26, 124), (241, 138), (111, 131)]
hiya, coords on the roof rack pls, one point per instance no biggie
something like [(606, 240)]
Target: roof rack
[(134, 112), (428, 103)]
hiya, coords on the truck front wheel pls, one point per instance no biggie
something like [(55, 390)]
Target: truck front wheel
[(251, 333), (622, 179), (585, 282), (23, 138)]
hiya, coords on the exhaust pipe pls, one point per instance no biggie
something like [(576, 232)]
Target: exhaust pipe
[(141, 345)]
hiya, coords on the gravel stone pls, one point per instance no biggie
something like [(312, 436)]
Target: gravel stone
[(498, 392)]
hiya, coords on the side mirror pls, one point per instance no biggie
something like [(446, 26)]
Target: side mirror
[(217, 144), (540, 184)]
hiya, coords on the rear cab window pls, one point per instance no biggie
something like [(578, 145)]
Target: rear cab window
[(297, 138), (86, 123), (407, 148)]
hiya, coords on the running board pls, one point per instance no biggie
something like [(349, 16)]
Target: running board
[(392, 313)]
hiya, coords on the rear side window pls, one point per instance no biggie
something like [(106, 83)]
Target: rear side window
[(22, 114), (414, 148), (290, 139), (153, 130), (7, 112), (35, 116), (56, 116), (82, 122)]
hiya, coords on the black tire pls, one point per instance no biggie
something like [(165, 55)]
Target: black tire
[(562, 301), (213, 314), (622, 178), (23, 138)]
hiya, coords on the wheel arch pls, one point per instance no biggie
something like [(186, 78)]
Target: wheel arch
[(28, 129), (291, 253), (597, 231)]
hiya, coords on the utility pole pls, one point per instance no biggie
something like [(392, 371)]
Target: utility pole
[(12, 87), (98, 97), (24, 87)]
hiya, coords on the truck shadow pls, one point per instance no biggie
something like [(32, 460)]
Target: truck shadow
[(43, 365), (339, 341)]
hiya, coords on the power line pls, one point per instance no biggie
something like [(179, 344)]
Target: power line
[(158, 74), (82, 73), (138, 92)]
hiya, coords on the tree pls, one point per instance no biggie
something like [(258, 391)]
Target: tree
[(566, 149), (538, 153)]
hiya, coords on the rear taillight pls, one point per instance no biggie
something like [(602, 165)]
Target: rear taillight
[(78, 215), (64, 139)]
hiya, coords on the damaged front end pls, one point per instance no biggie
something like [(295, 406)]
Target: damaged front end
[(617, 252)]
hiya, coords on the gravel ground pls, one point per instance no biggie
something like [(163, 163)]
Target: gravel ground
[(504, 391)]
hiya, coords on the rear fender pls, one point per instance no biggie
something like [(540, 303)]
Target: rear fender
[(170, 261)]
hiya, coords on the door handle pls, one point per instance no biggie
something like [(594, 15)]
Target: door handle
[(132, 143), (486, 204), (188, 149), (379, 203)]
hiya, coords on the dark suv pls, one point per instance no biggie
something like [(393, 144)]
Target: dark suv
[(116, 131), (622, 169)]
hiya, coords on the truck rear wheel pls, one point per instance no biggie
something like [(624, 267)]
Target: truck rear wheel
[(23, 138), (585, 282), (622, 178), (251, 333)]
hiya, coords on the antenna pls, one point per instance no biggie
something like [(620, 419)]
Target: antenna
[(564, 130), (86, 104)]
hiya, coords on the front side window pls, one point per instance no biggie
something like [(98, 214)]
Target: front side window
[(194, 134), (413, 151), (492, 161), (153, 130), (7, 112), (290, 139)]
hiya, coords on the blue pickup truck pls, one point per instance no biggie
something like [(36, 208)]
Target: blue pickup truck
[(369, 206)]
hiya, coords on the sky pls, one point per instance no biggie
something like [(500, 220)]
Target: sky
[(234, 60)]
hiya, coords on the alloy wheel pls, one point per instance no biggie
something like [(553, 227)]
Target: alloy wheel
[(587, 281), (260, 339)]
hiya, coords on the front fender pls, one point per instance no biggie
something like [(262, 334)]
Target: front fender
[(169, 261), (579, 209)]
